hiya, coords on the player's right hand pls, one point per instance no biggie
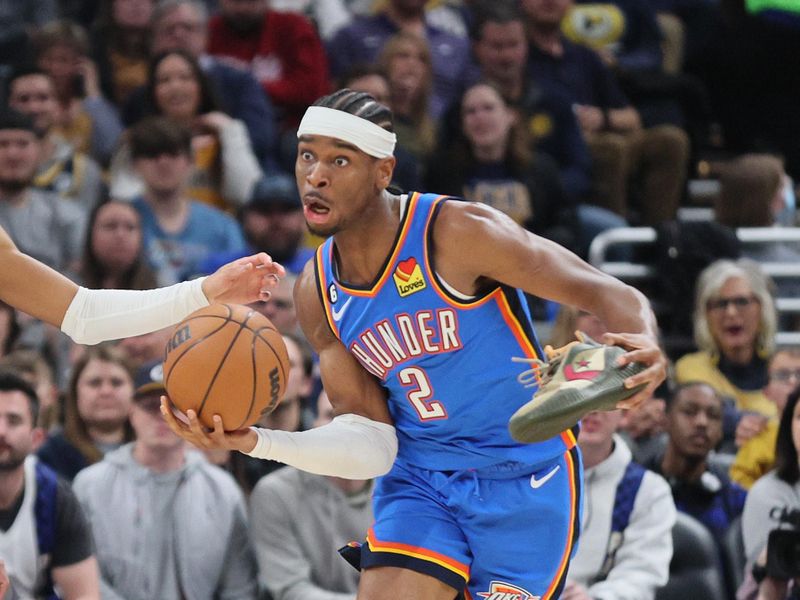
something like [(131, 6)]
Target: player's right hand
[(193, 431), (243, 281)]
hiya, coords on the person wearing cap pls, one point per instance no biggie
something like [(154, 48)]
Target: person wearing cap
[(180, 520), (416, 306), (272, 222)]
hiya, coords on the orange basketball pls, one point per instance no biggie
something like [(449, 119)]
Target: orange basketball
[(228, 360)]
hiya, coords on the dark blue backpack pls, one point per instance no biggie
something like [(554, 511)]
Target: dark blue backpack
[(627, 489)]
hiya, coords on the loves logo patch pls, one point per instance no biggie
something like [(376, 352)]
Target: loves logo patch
[(408, 277)]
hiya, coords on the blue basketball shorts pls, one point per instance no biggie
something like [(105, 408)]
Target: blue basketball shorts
[(500, 533)]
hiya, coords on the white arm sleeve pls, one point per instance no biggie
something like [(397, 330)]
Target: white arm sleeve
[(95, 316), (350, 446)]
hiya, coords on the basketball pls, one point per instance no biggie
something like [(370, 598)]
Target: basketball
[(228, 360)]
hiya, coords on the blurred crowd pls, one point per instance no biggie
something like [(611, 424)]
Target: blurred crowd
[(146, 142)]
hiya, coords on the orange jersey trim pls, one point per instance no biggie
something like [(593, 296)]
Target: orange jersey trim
[(573, 507), (401, 238), (323, 285), (448, 563)]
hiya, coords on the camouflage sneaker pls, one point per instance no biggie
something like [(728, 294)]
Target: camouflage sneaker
[(577, 379)]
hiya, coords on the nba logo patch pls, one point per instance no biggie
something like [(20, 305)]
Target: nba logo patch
[(408, 277), (505, 591)]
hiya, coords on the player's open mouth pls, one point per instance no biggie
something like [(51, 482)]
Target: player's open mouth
[(317, 208)]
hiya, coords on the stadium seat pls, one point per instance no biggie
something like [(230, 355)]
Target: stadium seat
[(694, 572), (733, 555)]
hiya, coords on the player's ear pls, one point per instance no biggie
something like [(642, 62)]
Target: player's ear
[(385, 169)]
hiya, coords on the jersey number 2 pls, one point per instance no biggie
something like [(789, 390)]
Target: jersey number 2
[(421, 393)]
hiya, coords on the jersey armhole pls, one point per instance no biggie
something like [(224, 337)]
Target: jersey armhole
[(450, 292)]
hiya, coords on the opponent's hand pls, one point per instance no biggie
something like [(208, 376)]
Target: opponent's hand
[(642, 349), (243, 281), (193, 431)]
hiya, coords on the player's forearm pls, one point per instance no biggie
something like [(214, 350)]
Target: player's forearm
[(351, 446), (95, 316), (625, 309)]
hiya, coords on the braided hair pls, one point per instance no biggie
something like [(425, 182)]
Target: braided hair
[(359, 104)]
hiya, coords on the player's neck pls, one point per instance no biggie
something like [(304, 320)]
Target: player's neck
[(11, 485), (363, 247)]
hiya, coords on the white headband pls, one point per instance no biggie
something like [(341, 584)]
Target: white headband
[(368, 137)]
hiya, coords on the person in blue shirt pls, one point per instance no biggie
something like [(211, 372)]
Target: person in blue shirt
[(178, 233), (416, 306)]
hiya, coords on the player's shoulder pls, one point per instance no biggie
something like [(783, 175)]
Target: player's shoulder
[(459, 220)]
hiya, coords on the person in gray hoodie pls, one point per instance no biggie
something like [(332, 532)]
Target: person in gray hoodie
[(167, 524), (610, 564), (299, 520)]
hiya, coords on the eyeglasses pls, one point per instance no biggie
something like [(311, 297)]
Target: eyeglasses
[(738, 302), (785, 375)]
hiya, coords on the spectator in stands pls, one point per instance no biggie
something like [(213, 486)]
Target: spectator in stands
[(17, 20), (60, 168), (179, 233), (287, 416), (626, 538), (361, 42), (156, 505), (622, 150), (776, 493), (86, 120), (280, 308), (756, 455), (183, 25), (500, 47), (225, 168), (700, 488), (281, 50), (44, 537), (147, 347), (34, 368), (299, 520), (734, 328), (119, 40), (96, 409), (406, 60), (492, 162), (40, 224), (113, 256), (372, 80), (272, 221)]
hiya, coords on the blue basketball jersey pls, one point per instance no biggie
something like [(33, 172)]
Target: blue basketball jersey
[(447, 361)]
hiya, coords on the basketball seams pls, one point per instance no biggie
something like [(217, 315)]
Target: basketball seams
[(223, 358), (191, 367), (257, 334)]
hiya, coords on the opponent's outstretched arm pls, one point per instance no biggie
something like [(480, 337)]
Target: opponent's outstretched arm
[(360, 442), (92, 316), (474, 243)]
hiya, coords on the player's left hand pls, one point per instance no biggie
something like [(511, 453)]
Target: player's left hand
[(192, 430), (643, 349), (243, 281)]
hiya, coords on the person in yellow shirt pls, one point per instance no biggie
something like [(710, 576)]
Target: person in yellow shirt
[(757, 455), (734, 328)]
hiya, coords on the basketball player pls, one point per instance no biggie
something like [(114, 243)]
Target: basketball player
[(415, 305), (92, 316)]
